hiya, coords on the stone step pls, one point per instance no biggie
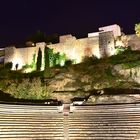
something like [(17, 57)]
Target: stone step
[(12, 127), (105, 118), (125, 105), (86, 119), (43, 129), (120, 129), (57, 133), (26, 111), (122, 114), (107, 124), (99, 138), (103, 134), (137, 120), (26, 106), (34, 115), (109, 110), (103, 109), (30, 120), (104, 113), (28, 124), (33, 138)]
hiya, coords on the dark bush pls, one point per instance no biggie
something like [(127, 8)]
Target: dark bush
[(8, 65), (91, 60), (68, 62), (125, 57)]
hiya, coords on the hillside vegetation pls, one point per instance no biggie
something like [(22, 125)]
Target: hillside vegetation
[(118, 71)]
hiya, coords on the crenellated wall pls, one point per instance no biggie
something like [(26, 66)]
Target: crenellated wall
[(99, 44), (77, 49)]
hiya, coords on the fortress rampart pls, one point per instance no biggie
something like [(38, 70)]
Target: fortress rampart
[(99, 44)]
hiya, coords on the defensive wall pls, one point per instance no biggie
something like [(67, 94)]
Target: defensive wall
[(99, 44)]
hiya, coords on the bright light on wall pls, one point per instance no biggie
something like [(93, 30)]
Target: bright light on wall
[(62, 63), (15, 62), (28, 70), (96, 52)]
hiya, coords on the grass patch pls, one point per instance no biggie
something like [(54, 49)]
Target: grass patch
[(125, 57), (131, 64)]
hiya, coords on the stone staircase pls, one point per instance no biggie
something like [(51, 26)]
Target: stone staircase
[(27, 122), (98, 122), (105, 122)]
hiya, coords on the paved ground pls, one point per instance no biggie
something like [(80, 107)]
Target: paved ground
[(101, 122)]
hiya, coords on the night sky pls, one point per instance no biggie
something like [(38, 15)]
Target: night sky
[(21, 18)]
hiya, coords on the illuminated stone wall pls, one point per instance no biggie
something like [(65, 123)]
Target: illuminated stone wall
[(20, 56), (23, 56), (98, 44), (74, 49), (77, 49), (114, 28)]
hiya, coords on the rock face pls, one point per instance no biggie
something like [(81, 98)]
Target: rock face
[(130, 73), (134, 42), (110, 99), (63, 82), (73, 83)]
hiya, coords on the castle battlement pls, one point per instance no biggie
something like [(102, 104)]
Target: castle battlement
[(99, 44)]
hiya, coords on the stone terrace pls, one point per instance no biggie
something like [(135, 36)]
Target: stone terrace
[(99, 122)]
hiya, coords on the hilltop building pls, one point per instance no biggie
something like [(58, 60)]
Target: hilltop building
[(99, 44)]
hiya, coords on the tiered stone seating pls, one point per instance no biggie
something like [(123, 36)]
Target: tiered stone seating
[(105, 122), (100, 122), (26, 122)]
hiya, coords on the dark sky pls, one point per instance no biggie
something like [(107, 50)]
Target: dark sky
[(21, 18)]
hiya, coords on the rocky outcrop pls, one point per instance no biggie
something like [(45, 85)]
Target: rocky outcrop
[(63, 82), (110, 96), (109, 99), (130, 73)]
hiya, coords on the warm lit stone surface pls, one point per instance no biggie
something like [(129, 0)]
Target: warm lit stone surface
[(104, 122)]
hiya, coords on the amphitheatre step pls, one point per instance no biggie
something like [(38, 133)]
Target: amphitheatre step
[(100, 122)]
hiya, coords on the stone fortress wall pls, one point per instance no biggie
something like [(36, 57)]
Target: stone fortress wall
[(99, 44), (22, 56), (76, 49)]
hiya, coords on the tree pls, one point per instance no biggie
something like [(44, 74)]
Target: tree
[(53, 38), (51, 57), (46, 57), (39, 36), (39, 60), (137, 29), (8, 65)]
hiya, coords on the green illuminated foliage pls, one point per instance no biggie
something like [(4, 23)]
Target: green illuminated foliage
[(137, 29), (51, 57), (29, 89)]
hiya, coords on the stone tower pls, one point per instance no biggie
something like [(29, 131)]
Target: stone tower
[(106, 43)]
